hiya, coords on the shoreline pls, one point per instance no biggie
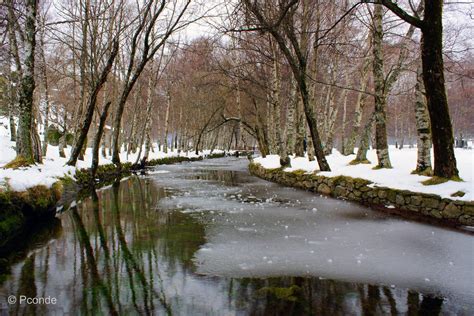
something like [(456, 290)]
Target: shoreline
[(22, 209), (425, 207)]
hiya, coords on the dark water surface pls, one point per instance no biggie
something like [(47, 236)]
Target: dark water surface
[(206, 238)]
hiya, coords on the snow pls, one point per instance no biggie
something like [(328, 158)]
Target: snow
[(53, 166), (399, 177), (269, 162)]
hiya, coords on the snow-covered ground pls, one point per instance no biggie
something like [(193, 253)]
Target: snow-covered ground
[(54, 166), (399, 177)]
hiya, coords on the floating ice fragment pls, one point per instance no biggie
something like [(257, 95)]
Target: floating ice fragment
[(330, 260), (427, 280)]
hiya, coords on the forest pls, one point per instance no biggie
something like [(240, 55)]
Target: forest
[(285, 77), (236, 157)]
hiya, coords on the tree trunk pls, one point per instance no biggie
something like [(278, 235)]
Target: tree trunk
[(27, 86), (276, 102), (167, 121), (433, 79), (423, 129), (97, 139), (309, 144), (91, 103), (380, 94), (312, 123), (46, 94), (290, 117), (270, 124), (79, 128), (361, 156), (144, 137), (359, 107), (299, 126)]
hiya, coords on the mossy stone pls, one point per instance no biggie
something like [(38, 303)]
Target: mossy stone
[(451, 211), (430, 203), (324, 189)]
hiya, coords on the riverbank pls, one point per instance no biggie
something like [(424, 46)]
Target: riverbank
[(403, 202), (20, 209), (212, 225)]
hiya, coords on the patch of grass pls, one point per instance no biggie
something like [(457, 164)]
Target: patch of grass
[(458, 194), (215, 155), (378, 167), (434, 181), (428, 172), (171, 160), (438, 180), (298, 172), (18, 162), (358, 162)]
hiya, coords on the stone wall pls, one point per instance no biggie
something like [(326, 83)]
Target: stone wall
[(360, 190)]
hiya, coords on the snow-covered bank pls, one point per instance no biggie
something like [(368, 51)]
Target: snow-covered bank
[(54, 167), (399, 177)]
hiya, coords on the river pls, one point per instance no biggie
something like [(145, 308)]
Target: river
[(207, 238)]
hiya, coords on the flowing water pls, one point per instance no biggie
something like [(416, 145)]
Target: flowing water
[(206, 238)]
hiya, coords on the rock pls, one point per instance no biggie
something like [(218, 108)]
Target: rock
[(430, 203), (469, 210), (382, 194), (391, 196), (307, 185), (350, 185), (324, 189), (416, 200), (364, 189), (400, 200), (451, 211), (340, 191), (442, 205), (467, 220), (436, 214)]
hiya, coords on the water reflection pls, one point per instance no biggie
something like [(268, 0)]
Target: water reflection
[(120, 255)]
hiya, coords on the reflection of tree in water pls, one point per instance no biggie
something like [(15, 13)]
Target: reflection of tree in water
[(127, 256), (312, 296), (230, 178), (33, 238), (125, 243)]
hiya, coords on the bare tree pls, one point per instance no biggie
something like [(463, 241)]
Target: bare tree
[(281, 26), (431, 26)]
